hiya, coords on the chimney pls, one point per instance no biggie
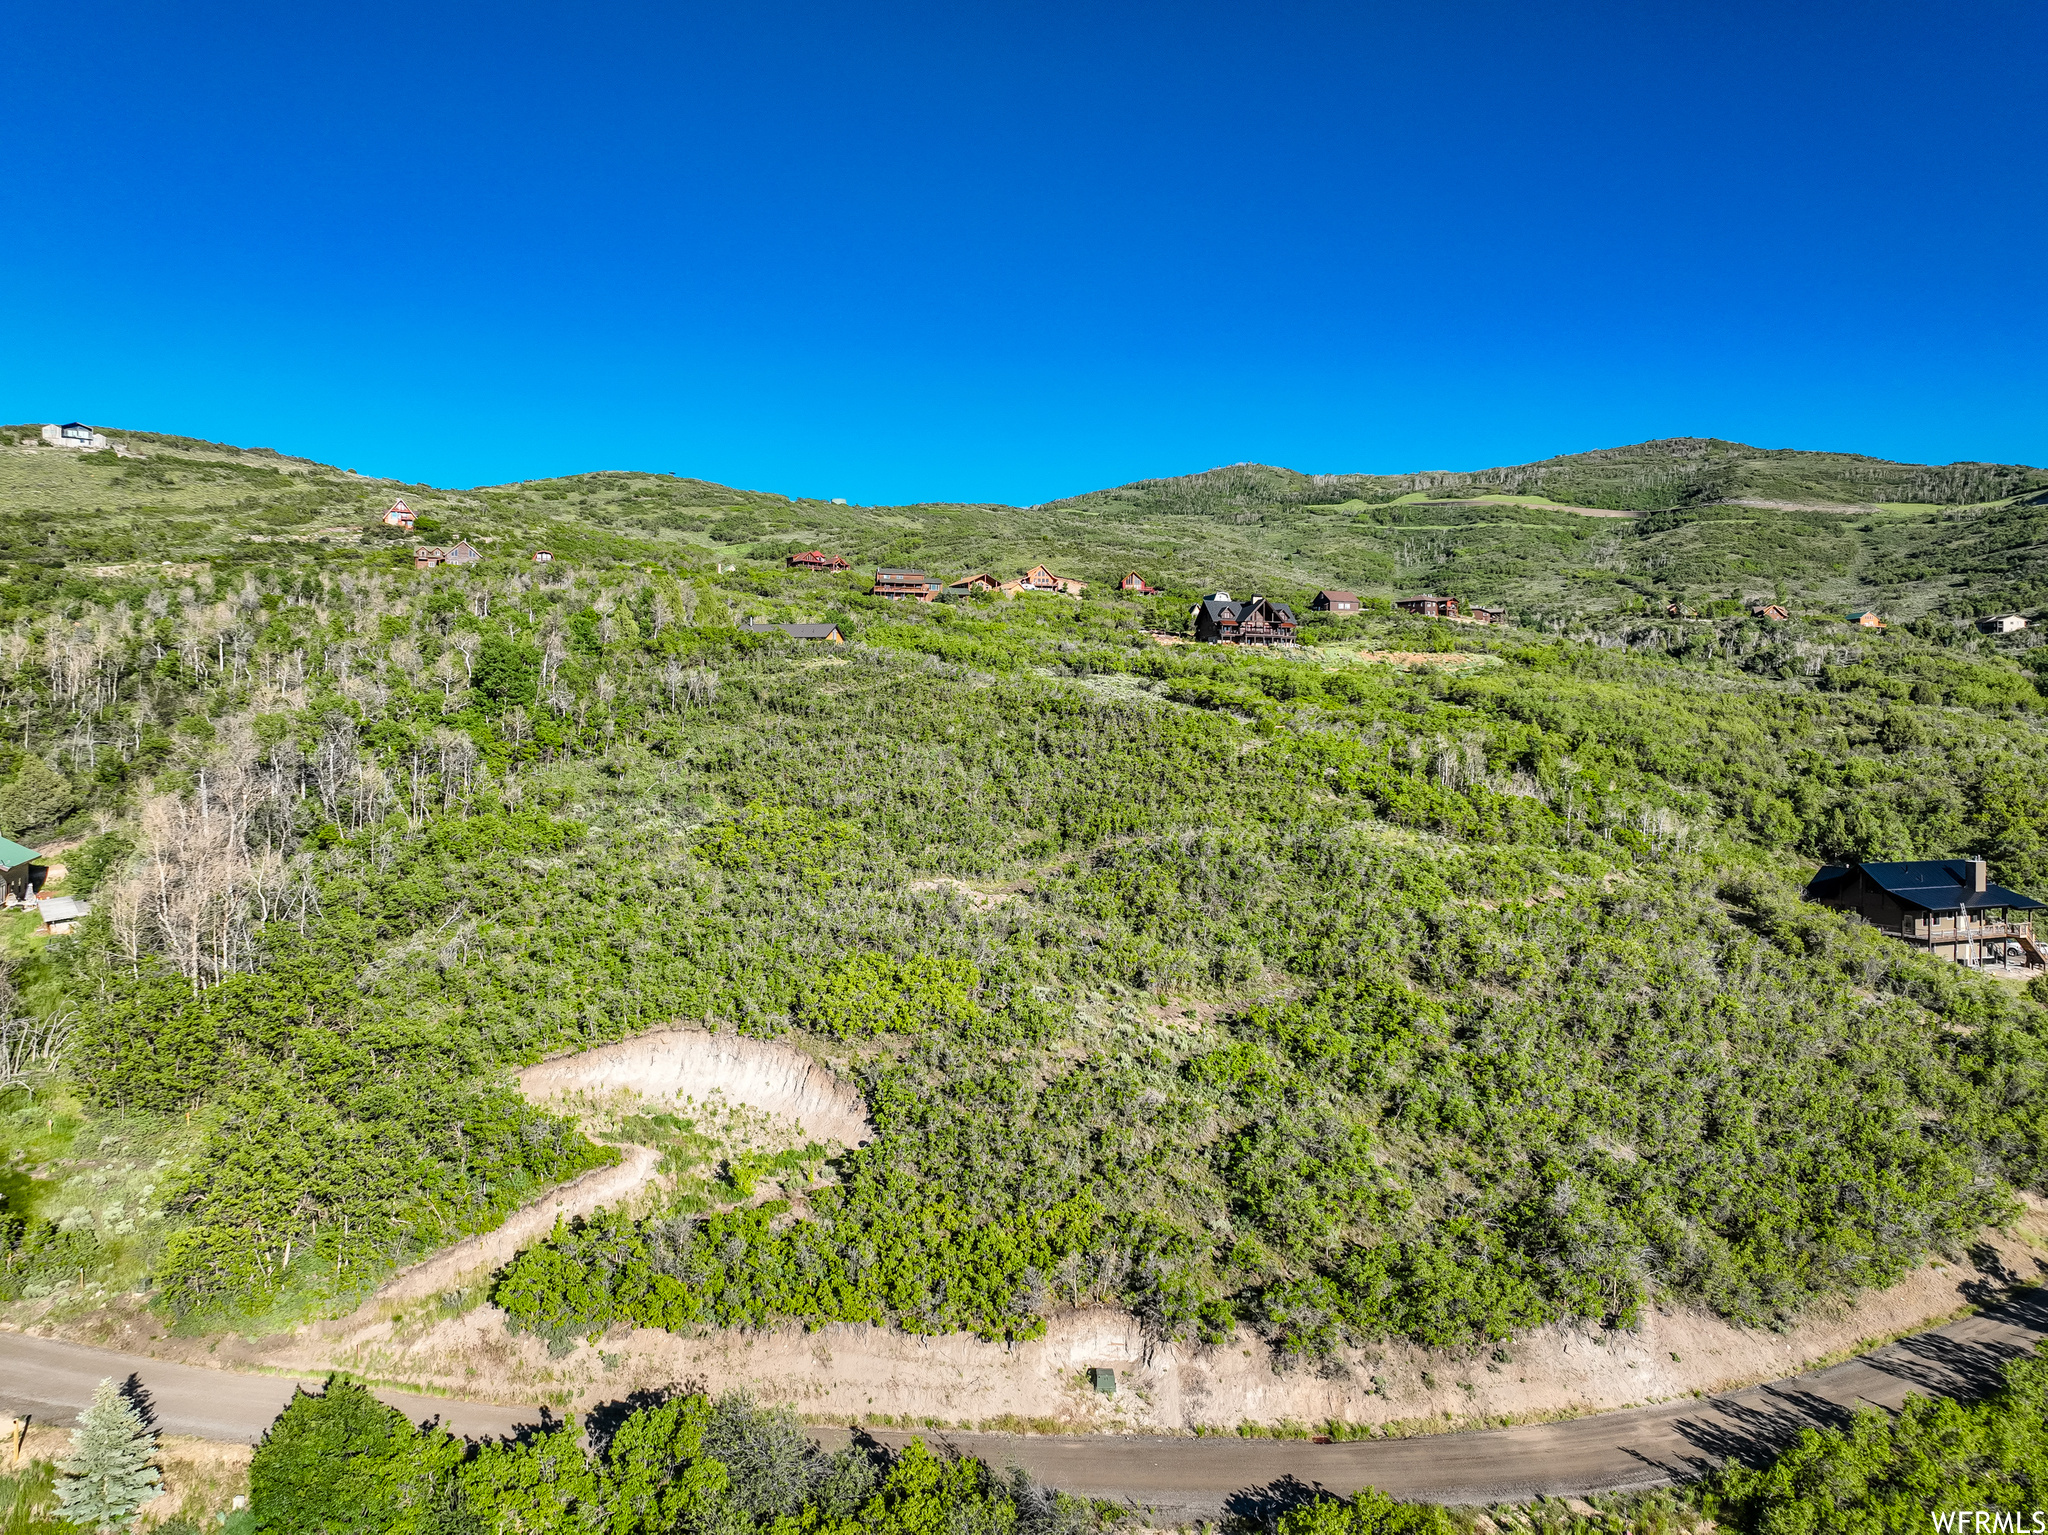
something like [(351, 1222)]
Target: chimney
[(1980, 875)]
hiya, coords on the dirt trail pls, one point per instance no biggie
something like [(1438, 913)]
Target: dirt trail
[(669, 1066)]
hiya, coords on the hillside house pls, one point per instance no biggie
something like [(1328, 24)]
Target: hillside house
[(817, 559), (1490, 615), (2004, 623), (427, 556), (912, 584), (400, 516), (1335, 602), (1220, 619), (463, 552), (981, 581), (1136, 583), (24, 876), (543, 556), (1429, 606), (829, 633), (1039, 579), (1946, 906), (72, 434), (1863, 618), (1770, 613)]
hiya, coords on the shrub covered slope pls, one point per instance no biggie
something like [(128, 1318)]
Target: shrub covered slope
[(1344, 998)]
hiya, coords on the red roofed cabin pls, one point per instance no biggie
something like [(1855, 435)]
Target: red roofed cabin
[(815, 559), (1136, 583), (1220, 620), (1946, 906), (914, 584), (1429, 607), (1335, 602)]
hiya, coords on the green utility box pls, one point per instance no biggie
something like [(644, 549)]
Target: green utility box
[(1103, 1381)]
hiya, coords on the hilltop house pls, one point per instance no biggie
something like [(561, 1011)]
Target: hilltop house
[(1863, 618), (914, 584), (1039, 579), (72, 434), (829, 633), (1335, 602), (2004, 623), (400, 516), (1222, 620), (1136, 583), (1946, 906), (1428, 606), (817, 559), (426, 557)]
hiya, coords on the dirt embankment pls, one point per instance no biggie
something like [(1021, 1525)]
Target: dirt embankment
[(846, 1372)]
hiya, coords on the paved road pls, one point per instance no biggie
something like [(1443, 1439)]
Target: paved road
[(1204, 1478)]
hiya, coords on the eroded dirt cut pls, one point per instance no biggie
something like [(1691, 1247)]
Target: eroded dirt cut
[(706, 1075), (690, 1065)]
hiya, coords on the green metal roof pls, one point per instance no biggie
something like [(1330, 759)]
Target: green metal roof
[(13, 855)]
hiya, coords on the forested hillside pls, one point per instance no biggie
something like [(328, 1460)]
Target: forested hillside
[(1431, 981)]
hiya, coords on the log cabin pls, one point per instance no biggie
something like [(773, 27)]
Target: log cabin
[(1335, 602), (912, 584), (1947, 907), (1429, 606), (817, 559), (1220, 619)]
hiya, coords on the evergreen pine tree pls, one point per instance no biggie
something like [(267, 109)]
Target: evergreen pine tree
[(109, 1473)]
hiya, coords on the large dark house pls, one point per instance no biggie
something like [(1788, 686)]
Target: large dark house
[(1947, 906), (1221, 619)]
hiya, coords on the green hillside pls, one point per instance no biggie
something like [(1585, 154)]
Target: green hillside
[(1689, 520), (1427, 981)]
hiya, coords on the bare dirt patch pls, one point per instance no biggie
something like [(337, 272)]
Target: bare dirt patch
[(845, 1372)]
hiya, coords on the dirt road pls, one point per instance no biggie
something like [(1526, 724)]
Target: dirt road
[(1191, 1478)]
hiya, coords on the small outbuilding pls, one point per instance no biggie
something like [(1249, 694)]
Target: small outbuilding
[(829, 633), (1335, 602), (59, 912)]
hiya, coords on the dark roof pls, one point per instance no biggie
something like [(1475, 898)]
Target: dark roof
[(1221, 608), (795, 631), (1931, 884)]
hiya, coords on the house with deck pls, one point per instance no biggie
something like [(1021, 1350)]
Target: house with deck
[(912, 584), (400, 516), (1429, 605), (817, 559), (1220, 619), (463, 552), (1133, 582), (1947, 906)]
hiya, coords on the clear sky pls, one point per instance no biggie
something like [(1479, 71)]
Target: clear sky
[(1000, 251)]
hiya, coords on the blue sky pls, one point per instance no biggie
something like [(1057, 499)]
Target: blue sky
[(903, 252)]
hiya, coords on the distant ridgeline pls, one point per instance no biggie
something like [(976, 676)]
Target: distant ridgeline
[(1688, 520), (1413, 978)]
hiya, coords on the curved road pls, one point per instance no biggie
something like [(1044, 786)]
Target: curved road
[(1186, 1478)]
